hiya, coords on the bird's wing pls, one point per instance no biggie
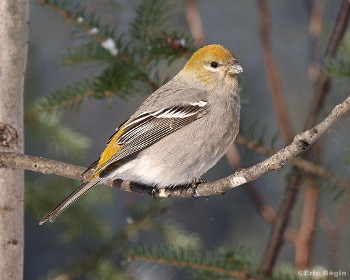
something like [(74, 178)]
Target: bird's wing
[(147, 128)]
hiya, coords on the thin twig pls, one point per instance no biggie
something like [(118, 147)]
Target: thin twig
[(303, 244), (315, 28), (300, 143), (117, 241), (323, 83), (311, 194), (286, 128), (272, 76), (301, 163), (194, 22), (276, 237), (304, 241), (322, 86), (265, 209)]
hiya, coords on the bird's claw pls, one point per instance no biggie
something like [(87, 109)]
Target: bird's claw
[(154, 193), (197, 181), (194, 184)]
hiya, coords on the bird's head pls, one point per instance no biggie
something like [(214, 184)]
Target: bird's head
[(212, 65)]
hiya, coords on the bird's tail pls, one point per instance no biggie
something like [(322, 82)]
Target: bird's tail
[(54, 213)]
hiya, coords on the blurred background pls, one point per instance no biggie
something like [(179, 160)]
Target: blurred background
[(93, 238)]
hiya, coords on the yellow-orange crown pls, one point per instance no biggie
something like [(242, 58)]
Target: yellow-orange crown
[(209, 53)]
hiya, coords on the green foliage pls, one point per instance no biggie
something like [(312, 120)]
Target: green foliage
[(148, 42), (105, 269), (224, 263), (178, 236), (79, 16), (117, 79), (92, 52), (338, 68), (257, 130), (69, 97), (39, 200), (125, 70), (151, 17), (245, 98), (59, 138)]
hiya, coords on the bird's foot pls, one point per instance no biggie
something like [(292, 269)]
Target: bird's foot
[(195, 182), (154, 193)]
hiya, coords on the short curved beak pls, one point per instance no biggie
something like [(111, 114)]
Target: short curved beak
[(235, 69)]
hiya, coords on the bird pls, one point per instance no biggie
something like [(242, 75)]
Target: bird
[(178, 133)]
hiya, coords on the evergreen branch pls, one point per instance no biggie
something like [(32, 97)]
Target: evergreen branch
[(142, 222), (301, 163), (147, 31), (191, 265), (117, 79), (237, 263), (40, 198), (63, 98), (65, 14), (87, 53), (62, 138), (169, 46), (151, 16), (300, 143)]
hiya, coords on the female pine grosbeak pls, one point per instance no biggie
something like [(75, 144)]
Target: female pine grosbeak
[(178, 133)]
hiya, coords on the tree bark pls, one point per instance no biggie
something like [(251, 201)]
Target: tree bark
[(14, 16)]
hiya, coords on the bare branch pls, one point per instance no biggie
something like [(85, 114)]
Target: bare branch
[(194, 22), (301, 163), (303, 244), (311, 194), (277, 234), (322, 88), (315, 28), (300, 143), (323, 83), (272, 76), (265, 209)]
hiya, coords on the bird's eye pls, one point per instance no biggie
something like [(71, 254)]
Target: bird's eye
[(214, 64)]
